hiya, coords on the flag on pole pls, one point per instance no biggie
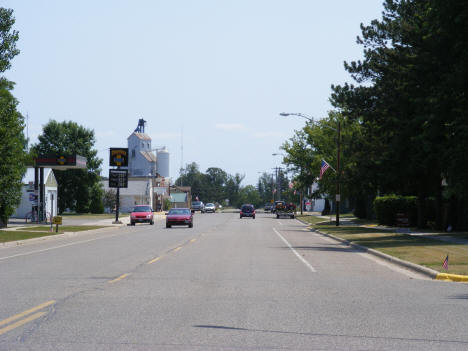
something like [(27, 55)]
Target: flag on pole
[(323, 168), (445, 264)]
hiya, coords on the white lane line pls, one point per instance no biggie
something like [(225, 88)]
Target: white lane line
[(280, 223), (308, 265)]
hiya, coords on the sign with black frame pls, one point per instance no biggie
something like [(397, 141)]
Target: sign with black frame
[(118, 157), (118, 178)]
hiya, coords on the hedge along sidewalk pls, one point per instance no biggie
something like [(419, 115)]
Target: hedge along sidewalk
[(422, 251)]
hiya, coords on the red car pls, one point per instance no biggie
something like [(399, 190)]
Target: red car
[(179, 216), (142, 214)]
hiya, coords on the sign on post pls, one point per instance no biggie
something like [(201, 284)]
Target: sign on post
[(118, 157), (57, 220), (118, 178)]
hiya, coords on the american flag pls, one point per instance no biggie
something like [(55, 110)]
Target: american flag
[(445, 264), (323, 168)]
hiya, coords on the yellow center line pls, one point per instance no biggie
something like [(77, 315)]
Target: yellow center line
[(193, 240), (177, 248), (119, 278), (154, 260), (21, 322), (22, 314)]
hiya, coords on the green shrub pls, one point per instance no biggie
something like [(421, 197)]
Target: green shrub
[(387, 207), (360, 210), (167, 204)]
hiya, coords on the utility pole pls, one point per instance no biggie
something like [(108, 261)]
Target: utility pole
[(278, 183), (338, 175)]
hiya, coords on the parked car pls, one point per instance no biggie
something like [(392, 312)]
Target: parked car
[(179, 216), (141, 214), (247, 210), (198, 206), (267, 207), (210, 207)]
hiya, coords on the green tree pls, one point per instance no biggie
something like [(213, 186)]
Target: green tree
[(8, 39), (215, 183), (12, 149), (411, 102), (265, 186), (12, 146), (191, 176), (77, 188), (249, 195)]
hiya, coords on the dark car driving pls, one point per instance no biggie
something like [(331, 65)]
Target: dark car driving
[(247, 210)]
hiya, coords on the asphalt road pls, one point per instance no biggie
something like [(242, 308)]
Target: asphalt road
[(226, 284)]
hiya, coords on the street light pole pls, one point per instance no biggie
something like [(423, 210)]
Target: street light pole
[(338, 146), (338, 175)]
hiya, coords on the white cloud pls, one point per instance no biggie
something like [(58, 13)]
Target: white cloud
[(229, 126)]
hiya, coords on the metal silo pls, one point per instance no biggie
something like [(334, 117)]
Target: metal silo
[(162, 163)]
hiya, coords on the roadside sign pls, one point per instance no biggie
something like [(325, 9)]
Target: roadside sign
[(118, 178), (33, 197), (57, 220), (118, 157)]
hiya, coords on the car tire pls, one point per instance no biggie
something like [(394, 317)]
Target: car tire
[(277, 216), (190, 225), (253, 217), (132, 223), (151, 222)]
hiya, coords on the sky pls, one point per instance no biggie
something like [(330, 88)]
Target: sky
[(210, 77)]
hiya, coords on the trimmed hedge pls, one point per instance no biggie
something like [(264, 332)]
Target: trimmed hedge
[(387, 207)]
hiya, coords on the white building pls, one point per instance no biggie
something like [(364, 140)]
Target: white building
[(28, 199), (139, 192), (141, 160)]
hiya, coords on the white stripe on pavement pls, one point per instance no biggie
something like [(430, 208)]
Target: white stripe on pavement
[(308, 265)]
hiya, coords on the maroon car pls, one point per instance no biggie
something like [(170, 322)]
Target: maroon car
[(179, 216)]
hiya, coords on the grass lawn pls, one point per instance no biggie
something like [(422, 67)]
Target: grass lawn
[(36, 232), (423, 251)]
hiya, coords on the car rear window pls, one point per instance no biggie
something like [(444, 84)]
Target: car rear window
[(247, 208), (142, 209), (179, 211), (196, 203)]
